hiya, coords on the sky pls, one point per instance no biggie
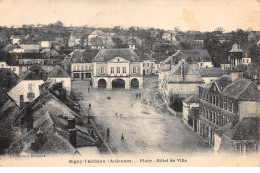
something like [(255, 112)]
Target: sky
[(199, 15)]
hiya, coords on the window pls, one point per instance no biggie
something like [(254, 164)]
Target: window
[(82, 68), (74, 68), (117, 69), (14, 69), (90, 67), (134, 69), (76, 75), (148, 64), (102, 70), (124, 69), (151, 64), (30, 86), (86, 68), (243, 60), (143, 64), (112, 70), (2, 65), (78, 68), (246, 60), (30, 95), (232, 106), (21, 97)]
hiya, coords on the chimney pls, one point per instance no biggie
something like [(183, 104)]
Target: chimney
[(73, 137), (71, 123)]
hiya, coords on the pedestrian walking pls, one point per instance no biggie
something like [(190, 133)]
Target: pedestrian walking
[(108, 132), (120, 116), (122, 137), (88, 89), (116, 114), (139, 96), (136, 95), (89, 106)]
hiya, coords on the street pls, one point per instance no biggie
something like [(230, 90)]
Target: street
[(145, 128)]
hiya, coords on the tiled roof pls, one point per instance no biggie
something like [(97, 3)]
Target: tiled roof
[(189, 74), (236, 88), (192, 99), (53, 142), (58, 72), (211, 72), (35, 72), (222, 82), (83, 56), (145, 56), (105, 55), (247, 129), (98, 32)]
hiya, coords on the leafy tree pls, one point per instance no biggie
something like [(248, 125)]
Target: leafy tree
[(118, 43)]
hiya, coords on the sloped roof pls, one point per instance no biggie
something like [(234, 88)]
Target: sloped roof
[(53, 143), (83, 56), (105, 55), (211, 72), (197, 55), (239, 87), (236, 48), (35, 72), (247, 129), (189, 74), (192, 99), (58, 72), (223, 129), (145, 56), (222, 82), (98, 32), (9, 47), (3, 97)]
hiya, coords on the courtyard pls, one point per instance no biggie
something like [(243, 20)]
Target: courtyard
[(145, 128)]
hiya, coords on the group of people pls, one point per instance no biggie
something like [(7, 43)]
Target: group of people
[(138, 95), (118, 115)]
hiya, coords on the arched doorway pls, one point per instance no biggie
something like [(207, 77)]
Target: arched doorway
[(102, 84), (135, 83), (118, 83), (176, 103)]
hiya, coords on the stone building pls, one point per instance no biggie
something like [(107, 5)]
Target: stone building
[(191, 111), (179, 83), (117, 68), (224, 101)]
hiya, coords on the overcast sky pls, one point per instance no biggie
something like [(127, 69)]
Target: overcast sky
[(203, 15)]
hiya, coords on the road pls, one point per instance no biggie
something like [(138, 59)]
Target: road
[(146, 129)]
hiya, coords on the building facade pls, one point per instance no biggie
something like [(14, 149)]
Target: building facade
[(117, 68), (223, 102), (180, 82)]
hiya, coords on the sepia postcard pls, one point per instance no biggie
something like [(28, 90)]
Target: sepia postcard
[(133, 83)]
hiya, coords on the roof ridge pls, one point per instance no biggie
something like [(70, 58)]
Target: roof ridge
[(244, 89)]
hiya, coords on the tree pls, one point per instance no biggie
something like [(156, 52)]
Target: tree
[(220, 29), (58, 24), (118, 43), (176, 29), (116, 29)]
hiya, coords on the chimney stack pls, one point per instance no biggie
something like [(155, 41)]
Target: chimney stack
[(73, 137)]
